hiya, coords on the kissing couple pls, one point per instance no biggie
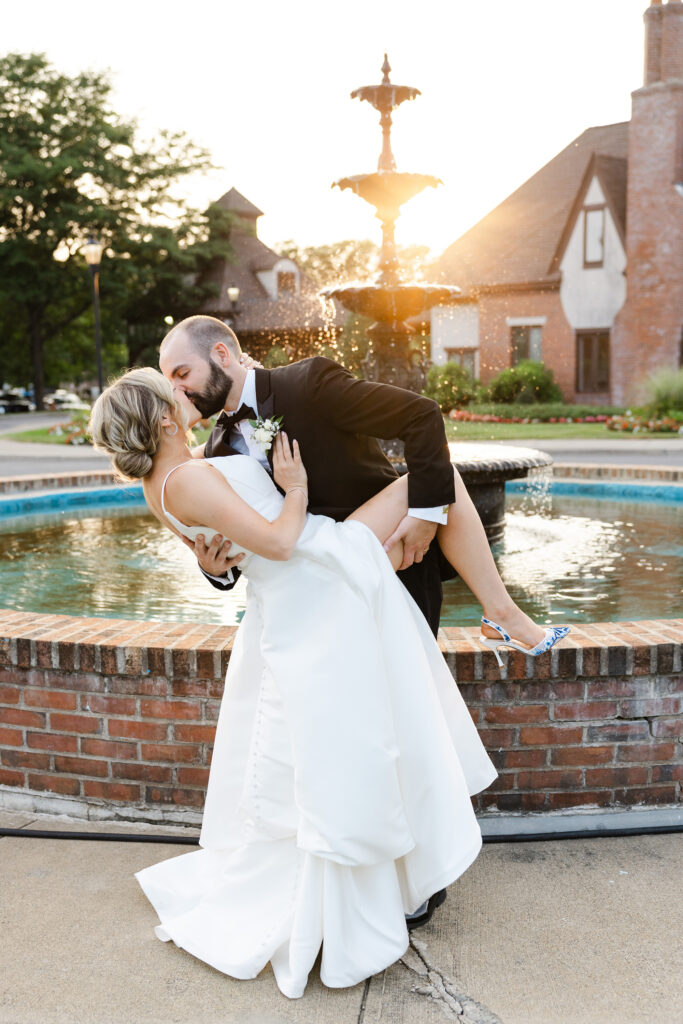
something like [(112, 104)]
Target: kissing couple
[(338, 806)]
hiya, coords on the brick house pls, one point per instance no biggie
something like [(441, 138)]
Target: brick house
[(276, 302), (582, 266)]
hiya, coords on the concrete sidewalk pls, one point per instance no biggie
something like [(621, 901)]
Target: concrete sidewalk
[(571, 931), (18, 458), (610, 451)]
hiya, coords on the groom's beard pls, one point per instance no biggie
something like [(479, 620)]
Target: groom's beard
[(215, 394)]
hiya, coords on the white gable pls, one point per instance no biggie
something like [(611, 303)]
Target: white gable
[(594, 196), (269, 278), (592, 295)]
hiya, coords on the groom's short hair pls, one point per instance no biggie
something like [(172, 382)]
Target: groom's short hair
[(203, 332)]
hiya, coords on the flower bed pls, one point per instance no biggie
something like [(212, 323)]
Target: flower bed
[(635, 424), (473, 417), (632, 422), (75, 431)]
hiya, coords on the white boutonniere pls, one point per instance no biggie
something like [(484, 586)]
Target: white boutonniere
[(265, 431)]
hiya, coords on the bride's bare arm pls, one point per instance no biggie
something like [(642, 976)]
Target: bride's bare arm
[(200, 486)]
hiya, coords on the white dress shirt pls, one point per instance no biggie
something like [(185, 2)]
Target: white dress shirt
[(241, 439), (242, 434)]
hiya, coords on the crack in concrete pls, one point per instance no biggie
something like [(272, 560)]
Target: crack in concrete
[(364, 1000), (436, 985)]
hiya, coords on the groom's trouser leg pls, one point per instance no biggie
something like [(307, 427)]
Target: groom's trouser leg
[(423, 582)]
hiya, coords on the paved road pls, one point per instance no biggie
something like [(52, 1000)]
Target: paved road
[(9, 422)]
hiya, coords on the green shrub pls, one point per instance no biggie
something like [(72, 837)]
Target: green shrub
[(451, 386), (664, 390), (544, 411), (526, 383), (276, 357)]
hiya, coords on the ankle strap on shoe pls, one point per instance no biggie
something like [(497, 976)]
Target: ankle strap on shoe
[(490, 622)]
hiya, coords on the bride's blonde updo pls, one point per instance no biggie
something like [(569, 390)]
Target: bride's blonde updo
[(126, 420)]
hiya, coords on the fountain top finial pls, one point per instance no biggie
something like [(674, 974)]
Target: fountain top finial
[(386, 96)]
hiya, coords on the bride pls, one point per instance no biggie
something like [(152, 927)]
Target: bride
[(344, 760)]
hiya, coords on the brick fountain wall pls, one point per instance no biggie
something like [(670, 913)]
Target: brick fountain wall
[(118, 717)]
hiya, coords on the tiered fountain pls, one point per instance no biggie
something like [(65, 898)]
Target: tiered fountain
[(392, 357), (389, 301)]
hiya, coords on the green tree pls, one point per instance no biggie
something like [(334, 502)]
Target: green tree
[(352, 260), (336, 263), (70, 167)]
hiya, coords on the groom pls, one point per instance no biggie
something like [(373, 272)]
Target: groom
[(336, 419)]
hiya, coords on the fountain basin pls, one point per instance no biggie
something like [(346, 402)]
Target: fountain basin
[(392, 304), (387, 190), (131, 688), (614, 545), (485, 468)]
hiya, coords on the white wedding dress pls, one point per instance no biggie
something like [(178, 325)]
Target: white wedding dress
[(339, 794)]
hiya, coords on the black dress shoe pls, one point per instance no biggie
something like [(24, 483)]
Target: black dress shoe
[(432, 903)]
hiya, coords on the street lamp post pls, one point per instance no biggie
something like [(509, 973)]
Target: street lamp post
[(233, 294), (93, 257)]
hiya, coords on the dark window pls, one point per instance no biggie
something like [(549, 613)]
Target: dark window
[(464, 357), (592, 361), (286, 282), (526, 343), (594, 236)]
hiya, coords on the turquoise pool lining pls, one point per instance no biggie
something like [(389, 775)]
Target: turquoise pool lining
[(56, 501), (614, 490)]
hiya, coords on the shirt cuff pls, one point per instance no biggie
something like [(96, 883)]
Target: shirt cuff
[(438, 514), (221, 579)]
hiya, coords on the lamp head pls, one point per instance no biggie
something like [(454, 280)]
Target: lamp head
[(93, 252)]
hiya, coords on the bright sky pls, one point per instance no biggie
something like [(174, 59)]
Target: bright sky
[(264, 85)]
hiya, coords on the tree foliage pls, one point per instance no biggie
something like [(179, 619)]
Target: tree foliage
[(70, 168), (352, 260)]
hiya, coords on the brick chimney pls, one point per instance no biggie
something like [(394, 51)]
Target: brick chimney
[(648, 330)]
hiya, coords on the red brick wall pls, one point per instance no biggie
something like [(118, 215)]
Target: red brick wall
[(647, 330), (557, 339), (122, 714)]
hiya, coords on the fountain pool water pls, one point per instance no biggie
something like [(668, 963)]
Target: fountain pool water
[(563, 558)]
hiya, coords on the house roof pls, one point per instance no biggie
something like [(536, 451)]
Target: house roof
[(258, 312), (237, 203), (293, 313), (611, 173), (517, 244)]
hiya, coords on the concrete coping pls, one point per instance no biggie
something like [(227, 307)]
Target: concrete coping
[(107, 478), (201, 651)]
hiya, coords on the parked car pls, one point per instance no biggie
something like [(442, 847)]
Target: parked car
[(13, 400), (67, 400)]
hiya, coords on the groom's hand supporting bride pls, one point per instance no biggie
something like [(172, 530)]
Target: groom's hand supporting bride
[(214, 558), (417, 535)]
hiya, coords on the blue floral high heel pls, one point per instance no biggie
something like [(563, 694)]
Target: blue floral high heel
[(552, 635)]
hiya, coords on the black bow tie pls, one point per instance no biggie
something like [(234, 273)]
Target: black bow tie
[(230, 420)]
